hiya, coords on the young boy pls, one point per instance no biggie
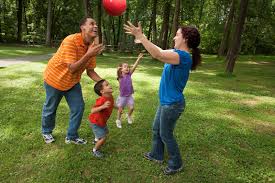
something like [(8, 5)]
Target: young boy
[(100, 113)]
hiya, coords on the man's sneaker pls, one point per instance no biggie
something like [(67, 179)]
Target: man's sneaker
[(129, 118), (48, 138), (118, 123), (170, 171), (75, 141), (149, 157), (97, 154)]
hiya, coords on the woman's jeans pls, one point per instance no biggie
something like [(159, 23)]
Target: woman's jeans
[(163, 127), (75, 101)]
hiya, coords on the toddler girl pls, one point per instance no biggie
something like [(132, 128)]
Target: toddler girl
[(124, 73)]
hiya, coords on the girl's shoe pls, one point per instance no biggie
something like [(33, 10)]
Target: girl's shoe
[(118, 123), (129, 118)]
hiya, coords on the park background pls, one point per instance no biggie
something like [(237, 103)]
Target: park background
[(226, 133)]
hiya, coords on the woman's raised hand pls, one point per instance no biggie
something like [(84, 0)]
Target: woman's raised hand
[(133, 30)]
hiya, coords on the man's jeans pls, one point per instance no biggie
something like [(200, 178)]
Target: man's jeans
[(163, 127), (76, 104)]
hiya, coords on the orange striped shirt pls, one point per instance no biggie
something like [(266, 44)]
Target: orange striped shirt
[(57, 73)]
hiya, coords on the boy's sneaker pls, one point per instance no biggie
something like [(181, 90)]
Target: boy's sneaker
[(129, 118), (170, 171), (118, 123), (48, 138), (75, 141), (149, 157), (97, 154), (94, 141)]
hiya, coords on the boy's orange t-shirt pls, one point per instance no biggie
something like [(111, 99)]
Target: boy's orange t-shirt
[(100, 118), (57, 72)]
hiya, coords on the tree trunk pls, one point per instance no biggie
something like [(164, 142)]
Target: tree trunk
[(106, 38), (227, 29), (114, 30), (175, 21), (235, 46), (201, 10), (152, 25), (118, 31), (99, 24), (87, 7), (124, 36), (1, 39), (165, 25), (25, 17), (19, 20), (2, 12), (49, 24)]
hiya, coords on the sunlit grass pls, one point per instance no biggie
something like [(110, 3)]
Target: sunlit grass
[(226, 133), (20, 51)]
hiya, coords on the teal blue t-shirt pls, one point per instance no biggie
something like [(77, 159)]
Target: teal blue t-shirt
[(174, 79)]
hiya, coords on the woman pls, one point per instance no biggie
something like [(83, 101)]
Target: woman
[(178, 64)]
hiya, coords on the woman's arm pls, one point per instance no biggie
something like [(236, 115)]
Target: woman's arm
[(166, 56), (136, 63)]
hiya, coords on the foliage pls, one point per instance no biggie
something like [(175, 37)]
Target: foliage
[(208, 15)]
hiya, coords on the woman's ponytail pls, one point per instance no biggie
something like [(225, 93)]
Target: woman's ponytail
[(196, 58), (192, 35)]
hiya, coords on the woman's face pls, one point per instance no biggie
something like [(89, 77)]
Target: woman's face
[(179, 40)]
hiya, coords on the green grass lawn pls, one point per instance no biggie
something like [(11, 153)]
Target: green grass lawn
[(226, 133), (10, 51)]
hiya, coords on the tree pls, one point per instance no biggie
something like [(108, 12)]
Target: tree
[(87, 7), (227, 28), (19, 20), (49, 23), (165, 25), (201, 10), (175, 20), (152, 25), (99, 24), (235, 46)]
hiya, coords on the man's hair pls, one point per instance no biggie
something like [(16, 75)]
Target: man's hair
[(83, 21), (98, 87)]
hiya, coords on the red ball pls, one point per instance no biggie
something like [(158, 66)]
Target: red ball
[(114, 7)]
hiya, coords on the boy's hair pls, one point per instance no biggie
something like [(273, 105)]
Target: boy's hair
[(119, 73), (98, 87)]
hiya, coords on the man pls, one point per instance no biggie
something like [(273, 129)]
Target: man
[(62, 76)]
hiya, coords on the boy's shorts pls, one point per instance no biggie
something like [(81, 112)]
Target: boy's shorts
[(123, 101), (99, 131)]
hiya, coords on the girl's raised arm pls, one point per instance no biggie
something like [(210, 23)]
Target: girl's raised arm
[(136, 63)]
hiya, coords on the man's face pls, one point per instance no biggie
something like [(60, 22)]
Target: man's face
[(89, 28)]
